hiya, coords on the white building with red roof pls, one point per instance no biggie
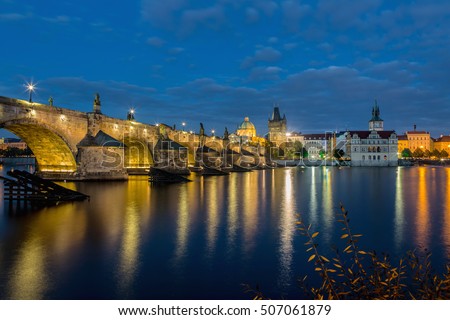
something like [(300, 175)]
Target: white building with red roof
[(373, 148)]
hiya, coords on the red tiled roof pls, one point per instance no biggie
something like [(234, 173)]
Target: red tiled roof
[(443, 139), (417, 132)]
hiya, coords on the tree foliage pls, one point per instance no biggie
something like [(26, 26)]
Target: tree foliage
[(418, 153), (406, 153)]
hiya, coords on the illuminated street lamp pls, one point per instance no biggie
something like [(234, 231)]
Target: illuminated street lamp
[(213, 131), (130, 115), (183, 124), (30, 88)]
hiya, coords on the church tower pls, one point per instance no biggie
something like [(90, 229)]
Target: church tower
[(277, 127), (376, 123)]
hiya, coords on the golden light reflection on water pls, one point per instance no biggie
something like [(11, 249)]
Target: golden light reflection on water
[(287, 228), (422, 223), (182, 233), (313, 198), (399, 220), (29, 278), (250, 209), (57, 232), (327, 203), (129, 249), (212, 215), (232, 216), (446, 231), (134, 219)]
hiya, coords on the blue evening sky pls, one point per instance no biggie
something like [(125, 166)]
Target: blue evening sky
[(323, 62)]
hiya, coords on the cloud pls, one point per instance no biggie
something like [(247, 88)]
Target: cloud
[(267, 6), (69, 92), (61, 19), (175, 51), (265, 73), (12, 16), (162, 13), (266, 54), (293, 12), (290, 46), (272, 40), (211, 17), (177, 15), (252, 15), (155, 42), (344, 14)]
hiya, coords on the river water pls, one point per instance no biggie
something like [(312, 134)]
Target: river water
[(204, 239)]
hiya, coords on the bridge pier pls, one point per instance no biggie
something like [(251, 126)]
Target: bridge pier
[(74, 145)]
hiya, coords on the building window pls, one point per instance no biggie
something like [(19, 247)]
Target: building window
[(370, 157), (385, 158), (378, 150), (378, 158), (364, 158)]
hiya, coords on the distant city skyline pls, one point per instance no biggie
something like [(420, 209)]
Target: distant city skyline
[(322, 62)]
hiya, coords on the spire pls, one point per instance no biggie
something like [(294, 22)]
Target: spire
[(376, 112), (276, 114)]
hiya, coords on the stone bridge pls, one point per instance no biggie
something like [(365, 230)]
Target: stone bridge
[(76, 145)]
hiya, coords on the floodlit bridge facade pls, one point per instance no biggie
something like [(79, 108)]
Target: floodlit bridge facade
[(76, 145)]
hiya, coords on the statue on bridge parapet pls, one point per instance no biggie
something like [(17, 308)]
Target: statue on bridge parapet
[(50, 101), (226, 134), (202, 135), (202, 130), (97, 103)]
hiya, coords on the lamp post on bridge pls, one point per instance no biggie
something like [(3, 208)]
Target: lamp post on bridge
[(183, 124), (30, 88)]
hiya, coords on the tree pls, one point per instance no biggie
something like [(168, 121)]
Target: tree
[(427, 153), (436, 153), (406, 153), (304, 153), (322, 153), (418, 153), (444, 154)]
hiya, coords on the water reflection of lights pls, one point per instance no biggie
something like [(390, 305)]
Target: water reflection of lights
[(250, 210), (287, 229), (129, 250), (399, 208), (423, 212), (138, 197), (327, 203), (447, 213), (182, 224), (28, 280), (232, 212), (313, 198), (212, 215)]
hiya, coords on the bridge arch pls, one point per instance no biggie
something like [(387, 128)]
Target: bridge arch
[(51, 149)]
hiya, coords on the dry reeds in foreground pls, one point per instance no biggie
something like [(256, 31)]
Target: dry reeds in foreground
[(357, 274)]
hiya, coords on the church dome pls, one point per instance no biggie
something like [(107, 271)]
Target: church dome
[(246, 128), (246, 125)]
